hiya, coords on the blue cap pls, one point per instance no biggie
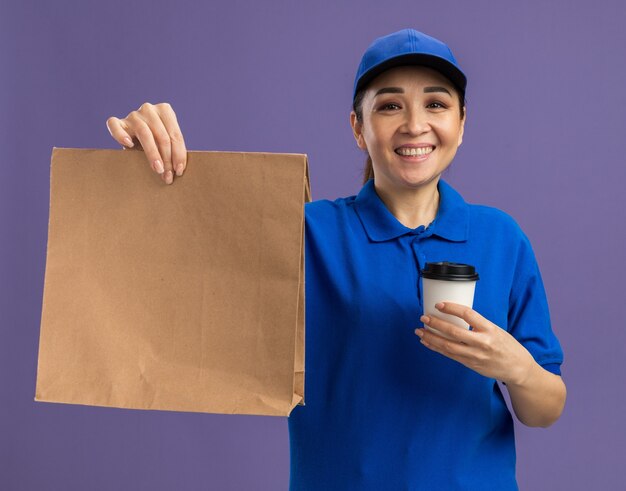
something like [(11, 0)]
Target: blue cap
[(408, 47)]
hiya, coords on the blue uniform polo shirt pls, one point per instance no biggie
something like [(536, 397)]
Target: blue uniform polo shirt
[(383, 412)]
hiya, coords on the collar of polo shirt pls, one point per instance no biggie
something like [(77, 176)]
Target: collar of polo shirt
[(451, 222)]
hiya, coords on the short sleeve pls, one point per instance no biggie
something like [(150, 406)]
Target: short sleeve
[(529, 315)]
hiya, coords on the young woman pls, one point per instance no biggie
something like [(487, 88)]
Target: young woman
[(389, 406)]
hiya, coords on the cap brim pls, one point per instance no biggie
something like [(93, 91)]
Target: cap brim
[(456, 76)]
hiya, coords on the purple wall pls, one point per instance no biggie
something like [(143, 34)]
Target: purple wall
[(545, 141)]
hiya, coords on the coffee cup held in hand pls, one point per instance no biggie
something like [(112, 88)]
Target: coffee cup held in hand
[(448, 282)]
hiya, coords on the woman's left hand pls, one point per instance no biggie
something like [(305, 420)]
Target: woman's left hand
[(486, 349)]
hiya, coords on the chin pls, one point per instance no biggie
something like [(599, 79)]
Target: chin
[(416, 181)]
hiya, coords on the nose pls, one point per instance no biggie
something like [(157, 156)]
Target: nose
[(416, 121)]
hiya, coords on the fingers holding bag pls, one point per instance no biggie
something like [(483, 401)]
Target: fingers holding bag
[(155, 129)]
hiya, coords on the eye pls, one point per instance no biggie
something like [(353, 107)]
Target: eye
[(437, 105), (389, 106)]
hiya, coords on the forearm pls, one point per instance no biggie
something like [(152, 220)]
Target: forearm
[(539, 398)]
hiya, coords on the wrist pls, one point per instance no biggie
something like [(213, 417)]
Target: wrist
[(524, 372)]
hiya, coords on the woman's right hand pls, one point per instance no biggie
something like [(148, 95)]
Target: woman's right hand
[(154, 128)]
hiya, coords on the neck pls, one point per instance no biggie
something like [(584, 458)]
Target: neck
[(411, 206)]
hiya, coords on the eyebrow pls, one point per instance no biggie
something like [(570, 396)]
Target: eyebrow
[(436, 89), (400, 90), (389, 90)]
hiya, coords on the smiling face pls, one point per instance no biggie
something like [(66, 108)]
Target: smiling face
[(411, 126)]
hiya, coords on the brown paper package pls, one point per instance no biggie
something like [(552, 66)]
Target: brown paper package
[(181, 297)]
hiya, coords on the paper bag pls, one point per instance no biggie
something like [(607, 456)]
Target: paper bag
[(182, 297)]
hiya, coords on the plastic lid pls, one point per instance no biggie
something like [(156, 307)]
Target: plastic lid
[(450, 271)]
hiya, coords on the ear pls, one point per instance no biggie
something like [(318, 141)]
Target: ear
[(357, 131), (462, 129)]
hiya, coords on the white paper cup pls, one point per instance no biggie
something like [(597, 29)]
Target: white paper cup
[(448, 282)]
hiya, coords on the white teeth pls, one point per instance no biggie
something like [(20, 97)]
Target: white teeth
[(414, 151)]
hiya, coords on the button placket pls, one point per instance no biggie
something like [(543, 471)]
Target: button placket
[(420, 259)]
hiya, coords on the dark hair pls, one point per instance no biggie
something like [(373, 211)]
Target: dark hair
[(357, 106)]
